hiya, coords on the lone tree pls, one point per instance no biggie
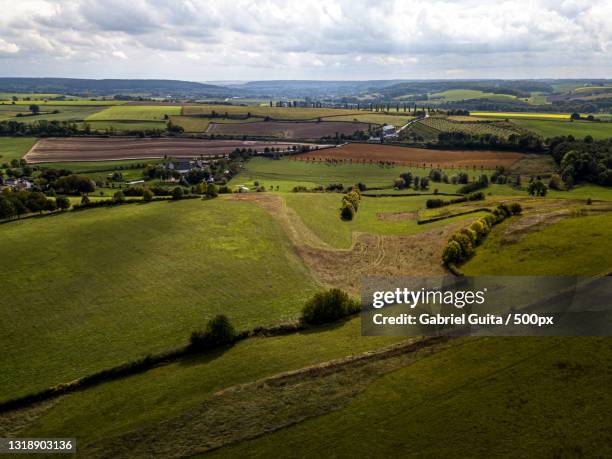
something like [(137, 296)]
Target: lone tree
[(147, 195), (537, 188), (62, 202), (35, 109), (219, 331)]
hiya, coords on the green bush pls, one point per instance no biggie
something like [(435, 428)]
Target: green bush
[(62, 202), (467, 248), (147, 195), (347, 212), (177, 193), (328, 306), (452, 253), (515, 208), (219, 331), (434, 203), (118, 196)]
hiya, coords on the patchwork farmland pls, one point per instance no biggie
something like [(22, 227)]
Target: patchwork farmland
[(106, 149)]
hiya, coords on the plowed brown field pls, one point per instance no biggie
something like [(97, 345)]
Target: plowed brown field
[(408, 155), (101, 149)]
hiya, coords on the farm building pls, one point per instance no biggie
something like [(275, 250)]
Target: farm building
[(389, 131)]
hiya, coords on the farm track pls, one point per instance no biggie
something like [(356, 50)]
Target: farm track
[(369, 254)]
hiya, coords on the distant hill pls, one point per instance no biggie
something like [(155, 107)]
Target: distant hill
[(114, 86)]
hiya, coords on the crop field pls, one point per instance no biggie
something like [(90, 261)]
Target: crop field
[(276, 113), (293, 130), (374, 118), (445, 125), (99, 149), (523, 115), (136, 112), (14, 147), (407, 155), (578, 129), (103, 294)]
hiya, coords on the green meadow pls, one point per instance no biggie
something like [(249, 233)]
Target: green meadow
[(577, 246), (579, 129), (93, 289), (14, 147)]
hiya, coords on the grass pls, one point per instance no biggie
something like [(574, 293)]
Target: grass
[(321, 213), (126, 125), (578, 129), (96, 288), (43, 103), (573, 246), (454, 95), (14, 147), (138, 401), (490, 397), (136, 112), (289, 173), (100, 166), (66, 113)]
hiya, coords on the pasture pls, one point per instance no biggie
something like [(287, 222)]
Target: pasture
[(455, 95), (373, 152), (397, 120), (14, 147), (579, 129), (93, 289)]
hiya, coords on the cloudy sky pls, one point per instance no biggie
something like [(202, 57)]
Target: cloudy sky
[(204, 40)]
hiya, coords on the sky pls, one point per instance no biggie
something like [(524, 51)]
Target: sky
[(210, 40)]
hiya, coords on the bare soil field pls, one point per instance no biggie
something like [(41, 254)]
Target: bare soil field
[(288, 130), (361, 152), (102, 149)]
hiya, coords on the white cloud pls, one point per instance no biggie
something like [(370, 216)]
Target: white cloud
[(217, 39)]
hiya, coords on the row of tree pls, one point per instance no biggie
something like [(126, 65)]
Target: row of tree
[(17, 203)]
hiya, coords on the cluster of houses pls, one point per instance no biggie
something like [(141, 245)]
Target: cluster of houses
[(17, 184)]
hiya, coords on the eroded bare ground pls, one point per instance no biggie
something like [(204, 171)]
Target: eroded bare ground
[(250, 410), (369, 255)]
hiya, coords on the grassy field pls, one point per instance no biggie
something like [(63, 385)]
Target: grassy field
[(97, 288), (126, 125), (66, 113), (137, 402), (14, 147), (321, 213), (579, 129), (454, 95), (573, 246), (136, 112), (95, 102), (473, 400), (288, 173)]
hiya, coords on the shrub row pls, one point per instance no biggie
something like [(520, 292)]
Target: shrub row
[(461, 245), (434, 203), (350, 204), (482, 182)]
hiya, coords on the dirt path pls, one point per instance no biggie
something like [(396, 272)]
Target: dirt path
[(369, 255)]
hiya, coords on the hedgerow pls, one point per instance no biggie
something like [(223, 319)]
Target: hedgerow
[(461, 244)]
